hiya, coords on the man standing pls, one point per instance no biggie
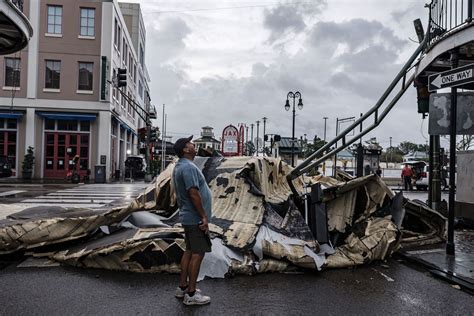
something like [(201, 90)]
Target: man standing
[(407, 174), (195, 209)]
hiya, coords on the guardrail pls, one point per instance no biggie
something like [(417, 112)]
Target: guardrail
[(447, 16)]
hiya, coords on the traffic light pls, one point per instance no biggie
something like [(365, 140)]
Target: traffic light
[(142, 134), (153, 134), (265, 137), (121, 77), (276, 138)]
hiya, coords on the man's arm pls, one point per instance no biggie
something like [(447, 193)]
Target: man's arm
[(195, 197)]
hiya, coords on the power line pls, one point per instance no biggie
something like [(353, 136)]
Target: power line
[(224, 8)]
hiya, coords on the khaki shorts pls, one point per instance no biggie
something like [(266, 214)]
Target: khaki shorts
[(197, 241)]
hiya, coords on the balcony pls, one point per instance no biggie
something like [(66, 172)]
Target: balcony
[(15, 28), (450, 27)]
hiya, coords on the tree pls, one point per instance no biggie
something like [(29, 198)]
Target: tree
[(465, 143), (249, 148), (312, 147), (407, 147)]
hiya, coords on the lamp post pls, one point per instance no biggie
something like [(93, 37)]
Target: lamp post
[(258, 124), (294, 96)]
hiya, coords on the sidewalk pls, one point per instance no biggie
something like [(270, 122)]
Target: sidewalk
[(457, 269)]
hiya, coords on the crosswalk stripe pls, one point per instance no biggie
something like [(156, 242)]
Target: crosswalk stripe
[(89, 195)]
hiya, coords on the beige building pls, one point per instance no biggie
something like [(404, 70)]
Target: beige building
[(56, 94)]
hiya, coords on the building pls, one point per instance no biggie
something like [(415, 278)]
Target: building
[(283, 149), (57, 94), (15, 28), (207, 139)]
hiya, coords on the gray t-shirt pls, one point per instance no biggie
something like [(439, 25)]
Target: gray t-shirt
[(187, 175)]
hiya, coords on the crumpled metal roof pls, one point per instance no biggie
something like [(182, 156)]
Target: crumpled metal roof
[(256, 225)]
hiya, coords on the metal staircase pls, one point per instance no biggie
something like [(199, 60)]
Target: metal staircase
[(374, 117)]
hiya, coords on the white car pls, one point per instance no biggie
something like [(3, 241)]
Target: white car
[(421, 178)]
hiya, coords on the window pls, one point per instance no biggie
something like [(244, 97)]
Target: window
[(125, 51), (55, 15), (114, 89), (12, 72), (140, 89), (116, 32), (119, 38), (142, 55), (49, 124), (87, 21), (52, 74), (85, 76)]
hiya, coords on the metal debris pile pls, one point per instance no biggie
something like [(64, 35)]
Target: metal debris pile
[(257, 225)]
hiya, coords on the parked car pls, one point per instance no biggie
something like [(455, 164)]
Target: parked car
[(135, 166), (420, 174), (422, 181), (5, 167)]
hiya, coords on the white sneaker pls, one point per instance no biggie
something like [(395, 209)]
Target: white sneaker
[(197, 299), (180, 293)]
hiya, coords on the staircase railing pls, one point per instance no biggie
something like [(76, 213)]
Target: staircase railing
[(377, 112)]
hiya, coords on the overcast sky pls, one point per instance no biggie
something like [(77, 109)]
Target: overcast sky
[(234, 61)]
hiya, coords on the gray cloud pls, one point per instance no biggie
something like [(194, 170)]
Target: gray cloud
[(341, 70), (167, 35), (290, 18)]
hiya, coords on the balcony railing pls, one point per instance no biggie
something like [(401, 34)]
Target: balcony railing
[(18, 4), (447, 16)]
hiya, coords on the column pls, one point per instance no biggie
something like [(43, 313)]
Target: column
[(103, 141)]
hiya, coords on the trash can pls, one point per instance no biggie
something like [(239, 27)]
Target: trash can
[(99, 174)]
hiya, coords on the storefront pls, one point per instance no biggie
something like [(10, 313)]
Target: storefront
[(9, 137), (65, 136)]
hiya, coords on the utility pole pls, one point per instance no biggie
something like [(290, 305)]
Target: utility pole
[(163, 144), (264, 121), (325, 120), (258, 124), (246, 140), (391, 149), (251, 134)]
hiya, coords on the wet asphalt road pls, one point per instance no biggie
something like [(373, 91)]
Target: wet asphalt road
[(364, 290)]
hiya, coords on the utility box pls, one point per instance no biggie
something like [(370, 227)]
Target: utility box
[(99, 174)]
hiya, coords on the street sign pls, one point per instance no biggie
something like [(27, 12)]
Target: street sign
[(451, 78)]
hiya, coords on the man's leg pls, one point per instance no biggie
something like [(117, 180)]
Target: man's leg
[(185, 260), (193, 270)]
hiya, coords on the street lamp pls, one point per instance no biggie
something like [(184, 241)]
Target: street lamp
[(293, 96)]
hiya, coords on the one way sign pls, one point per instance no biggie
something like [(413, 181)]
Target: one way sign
[(451, 78)]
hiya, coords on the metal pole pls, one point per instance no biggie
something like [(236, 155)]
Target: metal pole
[(258, 124), (163, 141), (436, 171), (251, 133), (335, 145), (246, 140), (391, 149), (452, 159), (264, 123), (469, 10), (325, 119), (165, 137), (293, 136)]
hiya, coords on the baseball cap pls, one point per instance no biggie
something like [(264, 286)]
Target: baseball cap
[(180, 144)]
